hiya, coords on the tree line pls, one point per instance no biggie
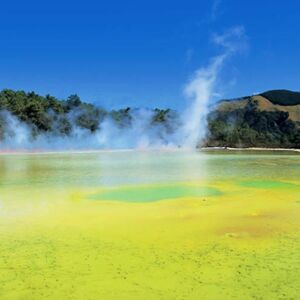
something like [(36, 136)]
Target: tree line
[(244, 127), (49, 114)]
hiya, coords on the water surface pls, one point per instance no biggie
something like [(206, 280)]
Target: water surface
[(150, 225)]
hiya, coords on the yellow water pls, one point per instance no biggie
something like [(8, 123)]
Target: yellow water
[(150, 225)]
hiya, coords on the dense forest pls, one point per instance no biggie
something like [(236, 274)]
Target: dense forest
[(248, 126), (45, 114)]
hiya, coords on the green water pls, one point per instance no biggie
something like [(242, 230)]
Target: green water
[(155, 193), (266, 184)]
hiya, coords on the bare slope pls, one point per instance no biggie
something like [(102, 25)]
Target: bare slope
[(263, 105)]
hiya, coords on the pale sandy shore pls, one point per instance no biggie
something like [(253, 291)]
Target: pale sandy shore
[(251, 149), (40, 151)]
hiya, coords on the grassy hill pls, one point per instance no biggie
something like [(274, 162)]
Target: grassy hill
[(264, 104), (257, 121)]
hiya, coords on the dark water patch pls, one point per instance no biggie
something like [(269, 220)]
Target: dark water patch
[(154, 193)]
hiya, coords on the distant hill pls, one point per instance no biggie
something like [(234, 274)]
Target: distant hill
[(282, 97), (269, 119), (264, 104)]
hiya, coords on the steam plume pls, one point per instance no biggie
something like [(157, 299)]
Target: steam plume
[(201, 88), (139, 131)]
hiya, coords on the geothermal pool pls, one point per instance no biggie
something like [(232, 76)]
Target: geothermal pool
[(150, 225)]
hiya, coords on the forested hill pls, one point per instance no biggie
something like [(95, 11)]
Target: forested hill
[(44, 114), (48, 113)]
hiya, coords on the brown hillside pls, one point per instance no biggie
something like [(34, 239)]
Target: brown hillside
[(263, 104)]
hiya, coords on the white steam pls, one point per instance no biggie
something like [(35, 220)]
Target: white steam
[(187, 131), (201, 89), (141, 133)]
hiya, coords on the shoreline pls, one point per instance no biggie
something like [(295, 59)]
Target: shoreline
[(46, 152), (251, 149), (229, 149)]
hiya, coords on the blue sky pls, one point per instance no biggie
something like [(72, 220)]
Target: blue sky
[(142, 53)]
